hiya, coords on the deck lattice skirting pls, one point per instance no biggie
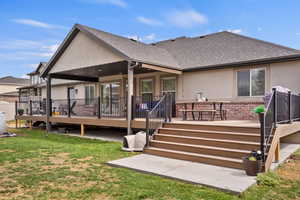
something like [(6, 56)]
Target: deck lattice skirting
[(235, 110)]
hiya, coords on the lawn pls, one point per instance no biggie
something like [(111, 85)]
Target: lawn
[(33, 166)]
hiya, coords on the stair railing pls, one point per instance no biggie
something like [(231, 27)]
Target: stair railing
[(280, 108), (161, 112)]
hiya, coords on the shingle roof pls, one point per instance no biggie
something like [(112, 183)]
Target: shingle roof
[(185, 53), (134, 49), (14, 80), (221, 48)]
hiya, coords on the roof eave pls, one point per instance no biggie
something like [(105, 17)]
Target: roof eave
[(245, 63)]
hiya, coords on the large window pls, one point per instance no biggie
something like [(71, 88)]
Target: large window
[(251, 82), (147, 89), (89, 94)]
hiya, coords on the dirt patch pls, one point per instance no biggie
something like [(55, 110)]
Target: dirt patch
[(7, 151), (101, 197), (59, 159), (290, 170), (85, 159)]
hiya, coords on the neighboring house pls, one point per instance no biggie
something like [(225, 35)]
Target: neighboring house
[(36, 90), (9, 86)]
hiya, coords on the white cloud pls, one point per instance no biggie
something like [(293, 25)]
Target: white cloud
[(35, 23), (259, 29), (237, 31), (19, 44), (150, 37), (25, 76), (32, 65), (51, 48), (27, 50), (186, 18), (149, 21), (119, 3)]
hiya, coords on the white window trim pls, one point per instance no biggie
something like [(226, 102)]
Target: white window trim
[(250, 69), (147, 79), (89, 93), (168, 78)]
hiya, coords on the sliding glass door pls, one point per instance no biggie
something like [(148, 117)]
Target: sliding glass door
[(110, 99)]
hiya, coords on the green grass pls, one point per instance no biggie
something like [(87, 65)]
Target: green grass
[(33, 166)]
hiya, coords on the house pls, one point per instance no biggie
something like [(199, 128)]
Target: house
[(36, 90), (8, 87), (125, 78)]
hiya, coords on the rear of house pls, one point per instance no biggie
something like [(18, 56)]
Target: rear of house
[(101, 79)]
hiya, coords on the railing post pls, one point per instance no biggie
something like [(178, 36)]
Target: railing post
[(99, 107), (170, 107), (262, 134), (147, 127), (166, 107), (133, 107), (290, 106), (69, 103), (16, 108), (275, 107), (30, 107)]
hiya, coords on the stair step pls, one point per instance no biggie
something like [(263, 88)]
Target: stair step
[(253, 137), (200, 149), (194, 157), (226, 128), (231, 144)]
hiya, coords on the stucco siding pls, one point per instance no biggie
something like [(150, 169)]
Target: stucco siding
[(214, 84), (286, 74), (83, 52), (8, 88)]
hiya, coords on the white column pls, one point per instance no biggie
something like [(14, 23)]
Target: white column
[(129, 99)]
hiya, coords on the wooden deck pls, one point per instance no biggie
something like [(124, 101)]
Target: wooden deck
[(107, 122)]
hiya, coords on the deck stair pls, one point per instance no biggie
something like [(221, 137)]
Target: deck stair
[(220, 145)]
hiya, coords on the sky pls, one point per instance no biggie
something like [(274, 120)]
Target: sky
[(31, 30)]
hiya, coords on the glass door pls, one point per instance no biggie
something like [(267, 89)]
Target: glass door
[(110, 98), (168, 85)]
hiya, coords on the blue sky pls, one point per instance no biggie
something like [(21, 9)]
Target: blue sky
[(31, 30)]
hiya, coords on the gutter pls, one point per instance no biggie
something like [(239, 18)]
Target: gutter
[(294, 57)]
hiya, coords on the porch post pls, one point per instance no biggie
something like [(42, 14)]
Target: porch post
[(129, 98), (48, 103)]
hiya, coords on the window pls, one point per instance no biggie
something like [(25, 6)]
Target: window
[(89, 94), (168, 85), (147, 89), (251, 82)]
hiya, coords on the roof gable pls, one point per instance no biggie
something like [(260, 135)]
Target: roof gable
[(82, 52)]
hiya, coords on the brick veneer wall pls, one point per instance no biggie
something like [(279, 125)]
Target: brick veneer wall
[(235, 110)]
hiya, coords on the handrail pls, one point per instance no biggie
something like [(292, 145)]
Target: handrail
[(281, 108), (160, 113)]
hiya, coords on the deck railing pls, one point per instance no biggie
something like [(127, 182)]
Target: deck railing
[(93, 107), (161, 112), (280, 108)]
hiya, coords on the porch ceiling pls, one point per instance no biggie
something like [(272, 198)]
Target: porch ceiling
[(102, 70)]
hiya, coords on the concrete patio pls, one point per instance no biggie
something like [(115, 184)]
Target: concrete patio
[(227, 179)]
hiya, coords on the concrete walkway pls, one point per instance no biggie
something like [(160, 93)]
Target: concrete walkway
[(227, 179)]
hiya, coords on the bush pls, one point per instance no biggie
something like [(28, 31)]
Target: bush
[(268, 179)]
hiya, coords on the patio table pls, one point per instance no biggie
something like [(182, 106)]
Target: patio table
[(192, 110)]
